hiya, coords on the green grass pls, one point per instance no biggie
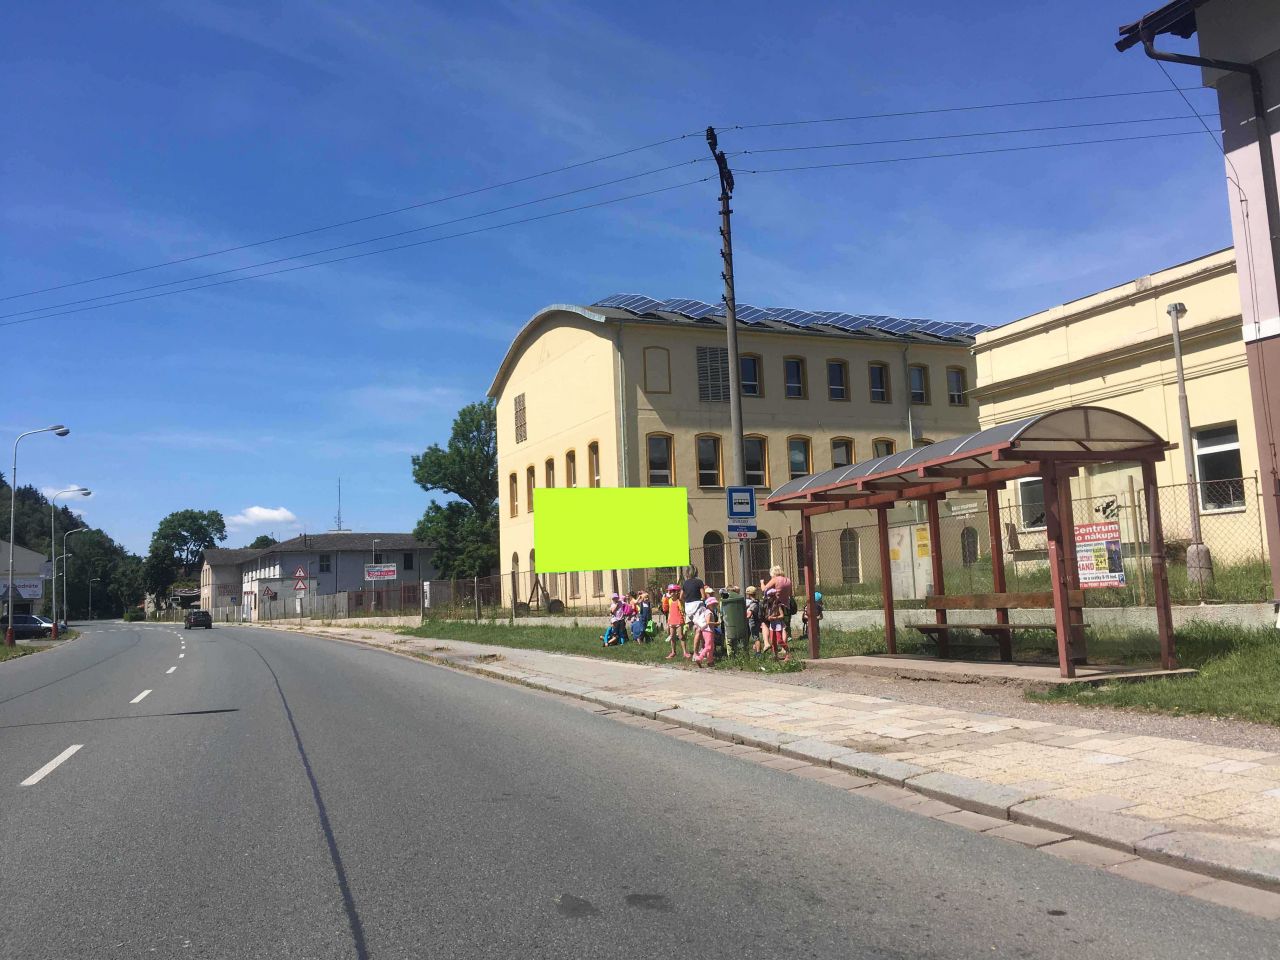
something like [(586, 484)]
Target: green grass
[(585, 641), (1239, 678), (14, 652)]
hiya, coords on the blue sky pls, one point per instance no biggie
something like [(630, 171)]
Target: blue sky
[(139, 133)]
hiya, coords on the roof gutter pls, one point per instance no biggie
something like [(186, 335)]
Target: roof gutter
[(1261, 131)]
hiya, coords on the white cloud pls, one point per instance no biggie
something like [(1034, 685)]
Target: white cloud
[(260, 516), (67, 499)]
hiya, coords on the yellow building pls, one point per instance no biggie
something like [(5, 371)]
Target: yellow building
[(633, 392), (1114, 349)]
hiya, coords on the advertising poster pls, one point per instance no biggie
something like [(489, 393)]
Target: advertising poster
[(1098, 555)]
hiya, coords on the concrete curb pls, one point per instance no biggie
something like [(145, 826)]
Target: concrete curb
[(1195, 852)]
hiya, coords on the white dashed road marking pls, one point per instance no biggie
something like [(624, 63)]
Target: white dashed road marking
[(51, 766), (181, 655), (171, 669), (140, 697)]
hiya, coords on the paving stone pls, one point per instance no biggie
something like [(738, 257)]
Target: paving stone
[(1027, 836), (783, 763), (810, 772), (1109, 829), (894, 771), (1260, 903), (992, 799), (847, 781), (1106, 802), (1159, 875), (887, 794), (1090, 854), (972, 821), (933, 808), (1215, 856), (812, 750)]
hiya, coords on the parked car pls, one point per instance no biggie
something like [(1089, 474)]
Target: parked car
[(62, 624), (26, 626), (198, 618)]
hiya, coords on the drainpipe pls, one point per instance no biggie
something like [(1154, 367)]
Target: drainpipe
[(1261, 131)]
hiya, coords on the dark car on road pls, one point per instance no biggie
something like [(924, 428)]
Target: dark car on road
[(198, 618), (29, 627)]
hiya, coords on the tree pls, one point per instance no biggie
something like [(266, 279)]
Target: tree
[(178, 546), (464, 532), (262, 541)]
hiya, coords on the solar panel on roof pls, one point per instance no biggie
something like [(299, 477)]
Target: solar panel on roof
[(750, 314), (694, 309)]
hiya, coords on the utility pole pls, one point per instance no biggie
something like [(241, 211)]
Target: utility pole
[(738, 461), (1199, 561)]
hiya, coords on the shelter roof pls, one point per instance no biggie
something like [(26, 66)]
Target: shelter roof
[(1081, 434)]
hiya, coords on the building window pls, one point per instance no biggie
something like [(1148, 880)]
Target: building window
[(529, 483), (798, 457), (922, 442), (749, 380), (841, 452), (533, 576), (593, 463), (957, 386), (597, 583), (883, 447), (513, 494), (408, 560), (515, 577), (878, 374), (377, 556), (918, 380), (1218, 468), (837, 380), (657, 370), (968, 546), (522, 423), (713, 374), (755, 453), (713, 558), (575, 586), (1031, 503), (793, 377), (550, 472), (661, 468), (850, 571), (709, 461), (326, 563), (570, 469)]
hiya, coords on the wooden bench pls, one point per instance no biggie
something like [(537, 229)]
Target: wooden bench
[(1001, 603)]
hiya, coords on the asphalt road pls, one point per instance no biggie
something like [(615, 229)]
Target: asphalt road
[(281, 796)]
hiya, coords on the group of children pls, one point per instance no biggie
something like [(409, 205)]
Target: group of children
[(630, 617)]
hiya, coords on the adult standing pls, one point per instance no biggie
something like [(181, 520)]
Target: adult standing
[(782, 583), (691, 593)]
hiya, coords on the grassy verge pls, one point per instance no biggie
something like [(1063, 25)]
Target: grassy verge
[(1239, 678), (585, 642), (14, 652)]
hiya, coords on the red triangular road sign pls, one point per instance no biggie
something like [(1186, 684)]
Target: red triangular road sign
[(300, 573), (300, 585)]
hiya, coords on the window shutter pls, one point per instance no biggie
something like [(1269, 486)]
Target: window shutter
[(713, 374)]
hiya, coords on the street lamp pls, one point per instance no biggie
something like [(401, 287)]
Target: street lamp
[(57, 430), (92, 581), (53, 542), (373, 591), (1199, 561), (66, 583)]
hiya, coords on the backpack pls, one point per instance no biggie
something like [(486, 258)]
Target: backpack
[(791, 606)]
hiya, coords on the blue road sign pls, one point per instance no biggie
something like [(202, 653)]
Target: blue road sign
[(743, 531), (740, 502)]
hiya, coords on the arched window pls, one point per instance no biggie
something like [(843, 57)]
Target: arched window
[(597, 583), (571, 469), (968, 546), (713, 558), (574, 584), (515, 577), (530, 480), (661, 462), (850, 572), (593, 466), (551, 472), (533, 574), (513, 494)]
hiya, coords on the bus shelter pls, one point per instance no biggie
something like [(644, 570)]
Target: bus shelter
[(1051, 446)]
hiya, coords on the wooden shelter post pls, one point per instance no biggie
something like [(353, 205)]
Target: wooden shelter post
[(886, 581), (1159, 573), (1075, 615), (810, 583), (939, 587), (998, 585), (1057, 567)]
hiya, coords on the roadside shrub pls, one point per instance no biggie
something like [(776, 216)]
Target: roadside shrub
[(133, 616)]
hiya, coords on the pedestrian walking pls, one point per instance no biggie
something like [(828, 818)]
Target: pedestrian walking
[(705, 620)]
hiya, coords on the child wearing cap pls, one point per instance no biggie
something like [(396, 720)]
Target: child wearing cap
[(705, 620), (775, 616), (675, 620), (617, 633), (755, 621)]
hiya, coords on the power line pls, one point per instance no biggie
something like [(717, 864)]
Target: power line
[(354, 220), (970, 153), (932, 110), (961, 136), (355, 243), (369, 253)]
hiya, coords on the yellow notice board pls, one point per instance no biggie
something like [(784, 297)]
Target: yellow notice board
[(608, 528), (922, 541)]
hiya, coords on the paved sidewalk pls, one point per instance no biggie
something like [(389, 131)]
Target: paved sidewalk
[(1209, 808)]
